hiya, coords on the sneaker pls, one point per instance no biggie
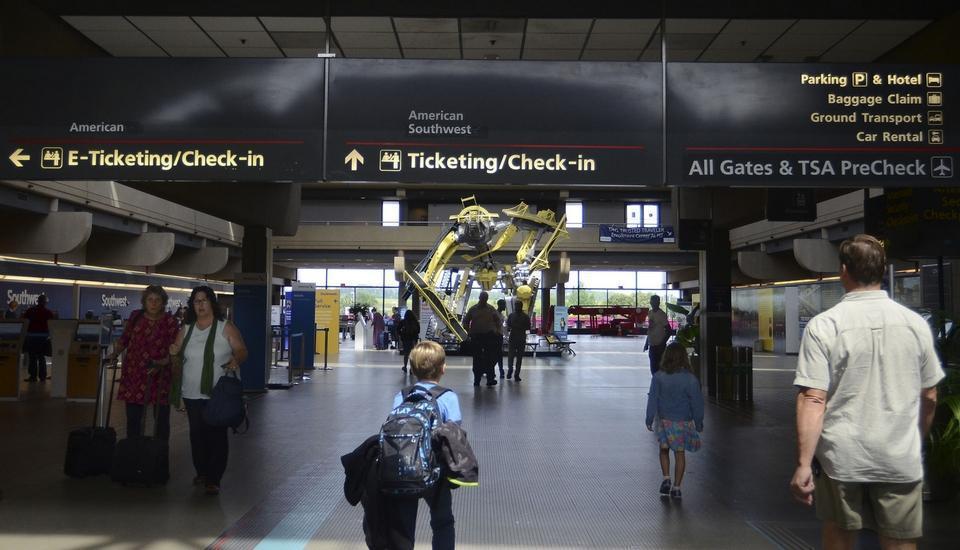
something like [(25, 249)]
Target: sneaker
[(665, 487), (675, 493), (517, 378), (509, 374), (212, 489), (492, 382)]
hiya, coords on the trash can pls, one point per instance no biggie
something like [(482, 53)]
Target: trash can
[(734, 373)]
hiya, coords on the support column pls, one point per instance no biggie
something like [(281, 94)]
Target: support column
[(252, 305), (715, 316), (561, 294), (544, 310)]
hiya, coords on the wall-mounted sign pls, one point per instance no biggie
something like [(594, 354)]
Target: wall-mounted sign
[(791, 205), (162, 119), (760, 124), (636, 235), (494, 122), (59, 297), (916, 223)]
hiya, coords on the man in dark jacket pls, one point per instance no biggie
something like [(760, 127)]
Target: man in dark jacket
[(518, 323), (484, 325)]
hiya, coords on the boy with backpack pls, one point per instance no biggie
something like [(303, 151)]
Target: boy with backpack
[(409, 468)]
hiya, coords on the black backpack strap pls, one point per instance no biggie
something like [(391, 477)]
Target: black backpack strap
[(435, 392)]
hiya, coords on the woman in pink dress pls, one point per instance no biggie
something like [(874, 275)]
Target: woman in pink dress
[(146, 374)]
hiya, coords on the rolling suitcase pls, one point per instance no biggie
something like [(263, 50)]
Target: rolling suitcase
[(143, 460), (90, 449)]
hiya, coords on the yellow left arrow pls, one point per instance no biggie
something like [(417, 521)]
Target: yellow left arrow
[(17, 157)]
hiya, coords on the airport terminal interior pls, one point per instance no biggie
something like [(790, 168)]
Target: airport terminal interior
[(345, 178)]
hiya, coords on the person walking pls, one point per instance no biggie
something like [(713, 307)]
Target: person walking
[(38, 339), (518, 323), (379, 329), (658, 331), (675, 413), (502, 312), (146, 374), (483, 324), (205, 342), (866, 377), (409, 334)]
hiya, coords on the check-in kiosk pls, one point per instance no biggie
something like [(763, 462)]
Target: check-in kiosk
[(83, 363), (11, 346)]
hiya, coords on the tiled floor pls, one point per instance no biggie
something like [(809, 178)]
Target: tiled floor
[(565, 463)]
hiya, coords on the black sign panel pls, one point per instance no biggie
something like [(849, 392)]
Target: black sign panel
[(791, 205), (162, 119), (916, 223), (494, 121), (812, 125)]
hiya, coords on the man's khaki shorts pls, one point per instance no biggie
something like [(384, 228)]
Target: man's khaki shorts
[(894, 510)]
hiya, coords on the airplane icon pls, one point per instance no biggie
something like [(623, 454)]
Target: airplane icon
[(942, 167)]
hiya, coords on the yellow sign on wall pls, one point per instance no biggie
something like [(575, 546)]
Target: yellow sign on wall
[(327, 315)]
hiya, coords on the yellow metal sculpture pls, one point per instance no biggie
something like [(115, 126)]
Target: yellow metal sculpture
[(484, 234)]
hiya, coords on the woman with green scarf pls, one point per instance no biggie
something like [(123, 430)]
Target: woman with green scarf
[(206, 344)]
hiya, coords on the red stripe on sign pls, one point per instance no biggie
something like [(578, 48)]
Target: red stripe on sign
[(832, 149), (506, 145), (41, 141)]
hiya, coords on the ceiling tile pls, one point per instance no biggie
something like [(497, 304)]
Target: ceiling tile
[(729, 56), (181, 39), (302, 52), (824, 26), (688, 41), (573, 26), (626, 26), (157, 23), (694, 26), (757, 26), (418, 53), (315, 40), (683, 55), (370, 40), (125, 43), (294, 24), (617, 41), (429, 40), (552, 54), (902, 27), (611, 55), (490, 25), (797, 43), (651, 54), (187, 51), (211, 24), (731, 41), (504, 53), (98, 23), (423, 24), (859, 41), (543, 41), (361, 24), (785, 58), (482, 40), (850, 56), (373, 53), (243, 39), (253, 52)]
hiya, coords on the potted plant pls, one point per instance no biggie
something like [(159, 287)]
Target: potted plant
[(942, 457)]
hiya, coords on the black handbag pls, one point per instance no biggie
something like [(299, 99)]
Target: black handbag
[(226, 407)]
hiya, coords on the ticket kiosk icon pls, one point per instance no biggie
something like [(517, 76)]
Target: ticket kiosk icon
[(390, 160)]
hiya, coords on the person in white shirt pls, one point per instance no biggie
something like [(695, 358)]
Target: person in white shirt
[(658, 331), (867, 375)]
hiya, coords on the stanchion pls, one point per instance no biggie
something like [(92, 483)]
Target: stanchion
[(303, 375), (326, 335)]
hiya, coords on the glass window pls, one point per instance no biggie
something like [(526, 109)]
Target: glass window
[(354, 277), (316, 276), (651, 215), (651, 279), (391, 213), (634, 213), (574, 211), (608, 279)]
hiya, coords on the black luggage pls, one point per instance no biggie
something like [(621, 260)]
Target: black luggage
[(142, 460), (90, 449)]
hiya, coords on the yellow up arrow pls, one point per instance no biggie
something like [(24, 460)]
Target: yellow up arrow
[(18, 156), (352, 159)]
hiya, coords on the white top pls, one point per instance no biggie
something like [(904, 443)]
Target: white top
[(657, 328), (873, 357), (193, 359)]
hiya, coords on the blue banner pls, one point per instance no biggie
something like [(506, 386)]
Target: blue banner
[(636, 235), (59, 297)]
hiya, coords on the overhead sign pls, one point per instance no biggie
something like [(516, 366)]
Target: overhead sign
[(636, 235), (791, 205), (162, 119), (916, 223), (764, 124), (494, 122)]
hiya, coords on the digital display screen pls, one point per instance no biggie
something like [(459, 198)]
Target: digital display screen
[(88, 332)]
